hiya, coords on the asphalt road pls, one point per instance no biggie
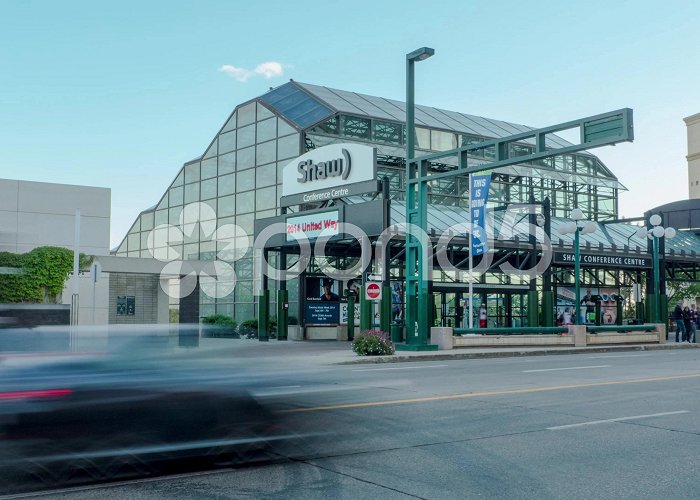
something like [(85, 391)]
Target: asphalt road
[(609, 425)]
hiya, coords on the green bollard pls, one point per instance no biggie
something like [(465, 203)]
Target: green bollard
[(351, 317), (385, 310), (532, 308), (282, 314), (547, 314), (263, 315), (366, 312)]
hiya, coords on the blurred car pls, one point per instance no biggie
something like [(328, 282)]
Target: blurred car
[(113, 415)]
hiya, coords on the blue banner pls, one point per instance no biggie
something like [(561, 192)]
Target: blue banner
[(479, 190)]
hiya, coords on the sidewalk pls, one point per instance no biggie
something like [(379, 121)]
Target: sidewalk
[(328, 353), (340, 353)]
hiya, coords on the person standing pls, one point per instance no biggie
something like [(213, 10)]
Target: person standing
[(678, 318), (693, 322), (482, 316), (566, 317), (686, 323)]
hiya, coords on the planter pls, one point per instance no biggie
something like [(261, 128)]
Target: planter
[(294, 332), (219, 331)]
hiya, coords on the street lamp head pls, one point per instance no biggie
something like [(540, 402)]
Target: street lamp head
[(642, 232), (669, 233), (420, 54), (655, 220), (577, 214), (658, 231), (565, 228), (589, 227)]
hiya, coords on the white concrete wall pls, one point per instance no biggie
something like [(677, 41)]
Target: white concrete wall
[(90, 311), (693, 126), (34, 214)]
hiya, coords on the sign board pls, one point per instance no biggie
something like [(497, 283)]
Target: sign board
[(344, 313), (373, 291), (321, 313), (479, 195), (310, 226), (328, 167), (354, 189), (596, 260), (126, 305)]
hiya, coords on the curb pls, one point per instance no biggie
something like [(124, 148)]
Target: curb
[(515, 354)]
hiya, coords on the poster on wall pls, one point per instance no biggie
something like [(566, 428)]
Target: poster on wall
[(608, 297), (344, 309), (126, 305)]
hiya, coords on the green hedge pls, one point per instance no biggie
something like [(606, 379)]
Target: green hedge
[(42, 274)]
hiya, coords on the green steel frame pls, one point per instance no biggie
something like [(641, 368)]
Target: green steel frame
[(595, 131)]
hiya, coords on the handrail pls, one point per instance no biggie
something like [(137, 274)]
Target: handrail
[(522, 330), (647, 327)]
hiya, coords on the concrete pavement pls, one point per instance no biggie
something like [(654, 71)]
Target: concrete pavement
[(325, 353), (340, 353)]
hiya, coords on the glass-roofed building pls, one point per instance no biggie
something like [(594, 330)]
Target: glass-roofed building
[(239, 176)]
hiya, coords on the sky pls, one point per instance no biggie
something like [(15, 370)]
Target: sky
[(121, 94)]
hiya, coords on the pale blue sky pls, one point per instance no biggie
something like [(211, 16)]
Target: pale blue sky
[(121, 94)]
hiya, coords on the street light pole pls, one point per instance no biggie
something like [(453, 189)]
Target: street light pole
[(655, 233), (577, 275), (577, 226), (416, 214)]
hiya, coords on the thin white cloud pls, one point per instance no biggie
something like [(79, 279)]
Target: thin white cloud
[(270, 69), (240, 74)]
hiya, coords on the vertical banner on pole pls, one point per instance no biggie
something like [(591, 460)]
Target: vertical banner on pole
[(479, 196)]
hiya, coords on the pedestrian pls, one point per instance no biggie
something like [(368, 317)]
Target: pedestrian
[(566, 317), (482, 316), (693, 322), (686, 324), (678, 318)]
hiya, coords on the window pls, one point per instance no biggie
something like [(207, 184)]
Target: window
[(191, 172), (388, 132), (356, 127)]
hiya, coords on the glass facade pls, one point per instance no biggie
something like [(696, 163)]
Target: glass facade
[(239, 174), (237, 177)]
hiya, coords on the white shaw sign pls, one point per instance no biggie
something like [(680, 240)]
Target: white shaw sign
[(329, 167)]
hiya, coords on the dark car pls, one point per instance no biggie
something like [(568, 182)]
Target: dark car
[(113, 415)]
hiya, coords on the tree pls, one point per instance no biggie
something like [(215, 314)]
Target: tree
[(682, 290)]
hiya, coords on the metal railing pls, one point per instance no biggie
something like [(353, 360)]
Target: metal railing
[(522, 330), (621, 328)]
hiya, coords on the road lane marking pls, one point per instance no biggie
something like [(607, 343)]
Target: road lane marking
[(490, 393), (619, 419), (398, 368), (619, 356), (568, 368)]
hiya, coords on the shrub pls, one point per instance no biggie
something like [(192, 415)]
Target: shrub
[(249, 328), (292, 320), (219, 325), (373, 343)]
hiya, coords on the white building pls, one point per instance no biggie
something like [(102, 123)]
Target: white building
[(693, 125), (35, 214)]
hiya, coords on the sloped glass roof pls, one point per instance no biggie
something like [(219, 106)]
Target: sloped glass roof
[(297, 105), (388, 109), (620, 234)]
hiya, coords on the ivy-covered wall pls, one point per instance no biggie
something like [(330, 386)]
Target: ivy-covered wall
[(43, 273)]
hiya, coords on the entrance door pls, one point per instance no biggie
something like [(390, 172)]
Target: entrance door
[(449, 309)]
